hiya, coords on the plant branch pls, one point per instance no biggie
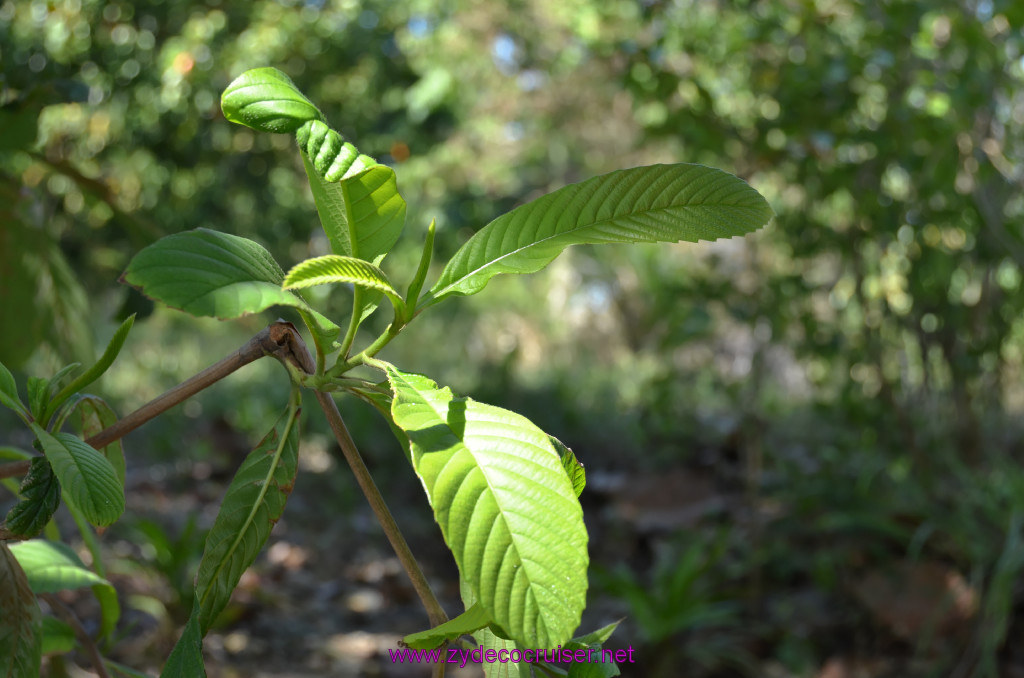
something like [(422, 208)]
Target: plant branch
[(285, 335), (260, 345), (83, 637)]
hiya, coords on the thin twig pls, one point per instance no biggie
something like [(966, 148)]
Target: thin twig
[(83, 637), (260, 345), (285, 335)]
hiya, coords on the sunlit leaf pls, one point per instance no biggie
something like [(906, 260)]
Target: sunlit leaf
[(334, 268), (267, 100), (658, 203), (208, 273), (505, 505)]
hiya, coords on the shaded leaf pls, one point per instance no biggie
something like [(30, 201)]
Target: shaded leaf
[(40, 493), (89, 482), (20, 641), (252, 505), (95, 415), (57, 636), (97, 370), (505, 506), (186, 659), (659, 203), (9, 390)]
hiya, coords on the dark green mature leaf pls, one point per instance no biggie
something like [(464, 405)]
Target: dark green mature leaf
[(505, 505), (252, 506), (97, 370), (659, 203), (334, 268), (267, 100), (20, 641), (40, 493), (89, 482), (186, 659), (208, 273), (472, 619)]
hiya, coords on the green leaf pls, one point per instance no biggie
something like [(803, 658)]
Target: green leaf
[(55, 380), (89, 482), (52, 567), (362, 214), (57, 636), (40, 493), (95, 415), (38, 393), (97, 370), (594, 638), (599, 668), (20, 641), (489, 641), (505, 506), (186, 659), (9, 391), (208, 273), (659, 203), (334, 268), (267, 100), (573, 468), (14, 453), (471, 620), (252, 505)]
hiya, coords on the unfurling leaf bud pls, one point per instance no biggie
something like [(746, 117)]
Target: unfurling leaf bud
[(266, 99)]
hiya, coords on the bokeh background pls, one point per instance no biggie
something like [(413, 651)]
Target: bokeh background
[(804, 447)]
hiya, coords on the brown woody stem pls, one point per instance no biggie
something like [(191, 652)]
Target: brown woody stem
[(283, 341), (286, 335), (257, 347)]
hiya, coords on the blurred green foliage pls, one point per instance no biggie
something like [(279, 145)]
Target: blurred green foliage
[(862, 359)]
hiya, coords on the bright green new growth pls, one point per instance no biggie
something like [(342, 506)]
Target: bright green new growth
[(266, 99)]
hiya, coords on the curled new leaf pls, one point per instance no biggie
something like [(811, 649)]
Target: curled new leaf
[(333, 158), (266, 99)]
